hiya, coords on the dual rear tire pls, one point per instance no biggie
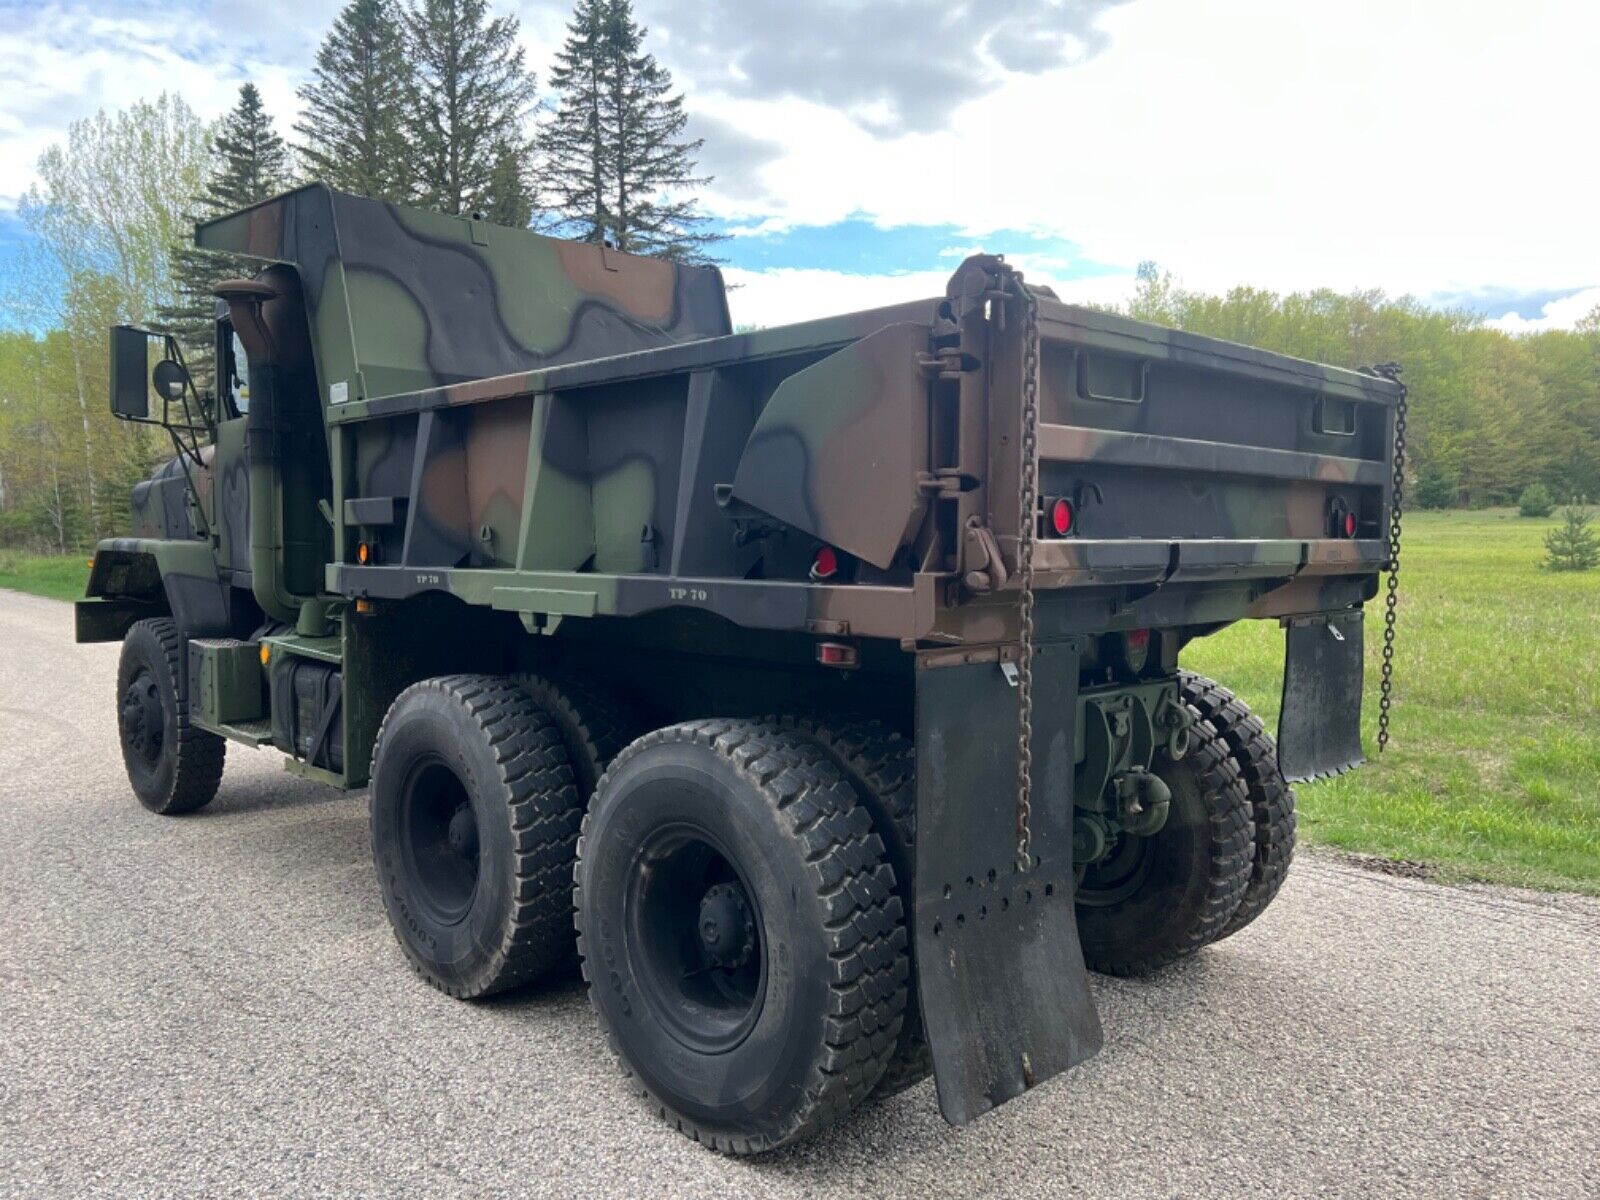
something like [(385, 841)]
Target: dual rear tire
[(1215, 865), (475, 818), (740, 932)]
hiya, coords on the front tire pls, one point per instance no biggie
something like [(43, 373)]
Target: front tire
[(474, 832), (744, 947), (174, 767), (1151, 900)]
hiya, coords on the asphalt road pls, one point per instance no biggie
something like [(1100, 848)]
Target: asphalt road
[(214, 1006)]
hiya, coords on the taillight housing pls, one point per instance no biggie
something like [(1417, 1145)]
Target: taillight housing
[(1059, 518), (825, 563), (1342, 519)]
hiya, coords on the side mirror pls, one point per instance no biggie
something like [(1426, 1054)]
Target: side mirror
[(169, 380), (130, 373)]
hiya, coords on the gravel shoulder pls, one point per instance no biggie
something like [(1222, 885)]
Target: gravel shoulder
[(214, 1005)]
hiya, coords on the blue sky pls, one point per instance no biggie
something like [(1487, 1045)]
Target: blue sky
[(861, 146)]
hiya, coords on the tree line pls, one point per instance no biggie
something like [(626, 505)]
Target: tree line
[(1489, 414), (422, 102)]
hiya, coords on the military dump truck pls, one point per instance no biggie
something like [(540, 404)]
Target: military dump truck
[(818, 689)]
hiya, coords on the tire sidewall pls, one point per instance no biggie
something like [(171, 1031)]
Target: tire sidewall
[(142, 650), (767, 1072), (435, 727)]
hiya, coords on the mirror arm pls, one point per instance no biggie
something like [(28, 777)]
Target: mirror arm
[(186, 453)]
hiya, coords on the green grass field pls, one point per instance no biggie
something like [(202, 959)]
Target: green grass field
[(60, 578), (1494, 770)]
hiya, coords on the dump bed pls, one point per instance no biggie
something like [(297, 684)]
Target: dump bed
[(891, 436), (630, 463)]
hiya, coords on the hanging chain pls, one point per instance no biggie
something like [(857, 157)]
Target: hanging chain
[(1027, 520), (1391, 371)]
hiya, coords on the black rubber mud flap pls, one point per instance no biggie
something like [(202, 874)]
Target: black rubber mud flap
[(1005, 994), (1319, 726)]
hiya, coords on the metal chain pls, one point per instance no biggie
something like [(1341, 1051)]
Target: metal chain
[(1027, 519), (1391, 371)]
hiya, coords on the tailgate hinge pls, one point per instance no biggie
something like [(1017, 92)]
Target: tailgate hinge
[(946, 481), (983, 568), (949, 363)]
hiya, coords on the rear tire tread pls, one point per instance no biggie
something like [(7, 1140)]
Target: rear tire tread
[(881, 764), (534, 780), (596, 726), (864, 924), (1271, 797)]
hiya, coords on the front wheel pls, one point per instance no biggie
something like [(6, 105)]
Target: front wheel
[(174, 767), (740, 933)]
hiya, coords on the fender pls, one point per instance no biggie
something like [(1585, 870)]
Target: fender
[(135, 578)]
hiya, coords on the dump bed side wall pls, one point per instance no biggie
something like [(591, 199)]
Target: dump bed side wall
[(401, 300)]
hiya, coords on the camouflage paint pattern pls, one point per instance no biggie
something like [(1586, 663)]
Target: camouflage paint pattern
[(855, 434), (543, 427), (400, 300)]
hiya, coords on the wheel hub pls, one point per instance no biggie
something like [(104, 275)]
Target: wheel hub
[(142, 723), (463, 832), (439, 840), (727, 927)]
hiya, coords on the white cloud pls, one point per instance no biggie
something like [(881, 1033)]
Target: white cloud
[(1557, 314), (787, 294), (1424, 148), (61, 64)]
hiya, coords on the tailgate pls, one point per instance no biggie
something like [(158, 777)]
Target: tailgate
[(1190, 458)]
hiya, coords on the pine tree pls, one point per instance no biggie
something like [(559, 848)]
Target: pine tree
[(249, 164), (467, 106), (352, 128), (577, 158), (254, 160), (1572, 545), (617, 161)]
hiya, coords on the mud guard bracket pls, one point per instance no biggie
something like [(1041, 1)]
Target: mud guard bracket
[(1319, 725), (1005, 994)]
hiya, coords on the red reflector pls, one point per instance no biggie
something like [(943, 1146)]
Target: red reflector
[(1061, 517), (1138, 639), (837, 654), (1350, 525), (826, 564)]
